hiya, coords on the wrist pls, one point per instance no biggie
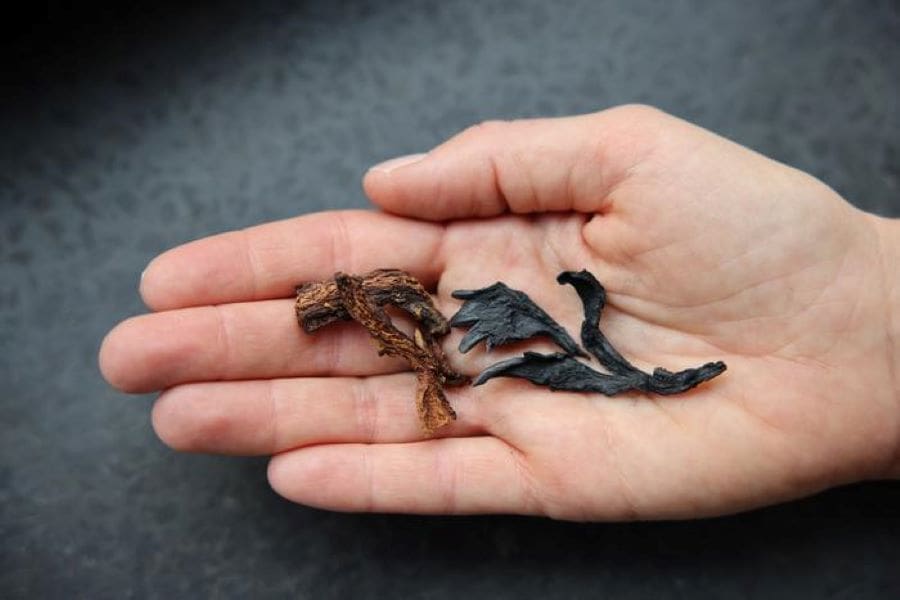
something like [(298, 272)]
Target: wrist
[(889, 237)]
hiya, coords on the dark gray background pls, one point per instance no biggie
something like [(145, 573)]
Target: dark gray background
[(122, 134)]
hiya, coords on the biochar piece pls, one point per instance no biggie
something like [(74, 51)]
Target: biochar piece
[(500, 315), (560, 371), (666, 383), (362, 299), (593, 298), (661, 381)]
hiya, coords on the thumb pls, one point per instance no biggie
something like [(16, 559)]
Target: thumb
[(524, 166)]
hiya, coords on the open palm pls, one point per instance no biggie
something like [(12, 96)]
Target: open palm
[(708, 252)]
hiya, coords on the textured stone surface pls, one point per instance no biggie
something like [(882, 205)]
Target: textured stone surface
[(135, 133)]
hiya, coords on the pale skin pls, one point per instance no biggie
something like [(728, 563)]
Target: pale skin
[(708, 250)]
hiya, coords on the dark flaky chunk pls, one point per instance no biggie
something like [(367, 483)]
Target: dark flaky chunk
[(500, 315), (661, 381), (558, 371), (593, 298), (561, 372)]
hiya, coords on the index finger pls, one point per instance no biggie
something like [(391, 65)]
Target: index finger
[(268, 261)]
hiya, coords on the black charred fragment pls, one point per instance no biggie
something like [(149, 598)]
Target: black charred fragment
[(557, 371), (593, 298), (500, 315), (666, 383), (662, 381), (562, 372)]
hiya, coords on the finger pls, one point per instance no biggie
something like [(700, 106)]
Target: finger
[(269, 260), (254, 340), (451, 475), (273, 416), (522, 166)]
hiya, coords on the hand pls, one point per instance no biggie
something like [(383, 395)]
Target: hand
[(708, 250)]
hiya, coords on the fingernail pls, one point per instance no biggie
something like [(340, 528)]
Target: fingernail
[(141, 283), (144, 275), (395, 163)]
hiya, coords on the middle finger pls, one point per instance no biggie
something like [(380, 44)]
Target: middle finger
[(277, 415)]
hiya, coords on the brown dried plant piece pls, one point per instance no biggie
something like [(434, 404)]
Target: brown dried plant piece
[(319, 303), (361, 298)]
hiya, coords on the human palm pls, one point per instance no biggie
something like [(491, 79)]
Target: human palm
[(707, 250)]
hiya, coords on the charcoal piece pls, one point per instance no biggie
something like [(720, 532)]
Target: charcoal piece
[(500, 315), (593, 298), (666, 383), (560, 371), (662, 381)]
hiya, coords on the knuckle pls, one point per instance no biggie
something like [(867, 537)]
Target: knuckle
[(488, 128), (638, 124), (365, 407), (450, 468), (332, 352), (341, 247), (638, 112), (533, 497)]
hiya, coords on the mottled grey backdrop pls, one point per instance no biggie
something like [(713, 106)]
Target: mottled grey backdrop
[(122, 134)]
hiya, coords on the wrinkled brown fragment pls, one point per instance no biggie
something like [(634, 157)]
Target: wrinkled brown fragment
[(361, 298), (319, 304), (433, 407)]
